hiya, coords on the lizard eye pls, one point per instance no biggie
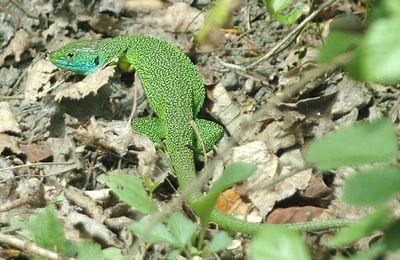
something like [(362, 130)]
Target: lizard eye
[(70, 55), (97, 61)]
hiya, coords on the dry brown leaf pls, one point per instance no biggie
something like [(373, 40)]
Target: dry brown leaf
[(9, 142), (226, 110), (181, 17), (8, 120), (113, 136), (36, 153), (38, 79), (231, 203), (268, 167), (351, 94), (20, 43), (277, 137), (294, 214), (90, 84)]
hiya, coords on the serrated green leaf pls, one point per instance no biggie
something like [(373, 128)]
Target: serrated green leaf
[(219, 242), (359, 144), (234, 173), (378, 58), (89, 250), (113, 253), (158, 233), (181, 228), (381, 185), (276, 7), (131, 191), (47, 231), (337, 43), (173, 255), (278, 243), (360, 229)]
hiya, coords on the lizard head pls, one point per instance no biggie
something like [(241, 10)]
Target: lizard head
[(83, 57)]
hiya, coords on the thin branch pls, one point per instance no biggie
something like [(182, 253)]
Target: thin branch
[(34, 165), (291, 34), (199, 139), (30, 247), (134, 104)]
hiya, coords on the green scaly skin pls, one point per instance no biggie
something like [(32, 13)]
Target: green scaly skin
[(175, 93)]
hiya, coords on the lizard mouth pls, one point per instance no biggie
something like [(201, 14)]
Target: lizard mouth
[(51, 57)]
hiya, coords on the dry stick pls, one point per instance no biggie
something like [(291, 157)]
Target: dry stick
[(199, 139), (30, 247), (290, 35), (134, 105), (34, 165), (14, 204), (2, 98)]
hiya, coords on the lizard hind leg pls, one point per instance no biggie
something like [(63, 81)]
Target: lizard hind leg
[(210, 133), (151, 127)]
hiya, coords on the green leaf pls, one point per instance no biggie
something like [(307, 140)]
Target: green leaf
[(219, 242), (234, 173), (360, 229), (276, 8), (173, 255), (89, 250), (280, 5), (359, 144), (278, 243), (157, 234), (337, 43), (382, 184), (113, 253), (130, 190), (181, 228), (47, 231), (378, 58)]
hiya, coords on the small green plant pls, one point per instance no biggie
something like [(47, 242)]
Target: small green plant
[(284, 11), (273, 242), (374, 55), (47, 232), (179, 232), (364, 144)]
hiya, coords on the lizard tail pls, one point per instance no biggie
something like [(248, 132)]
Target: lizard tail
[(232, 223)]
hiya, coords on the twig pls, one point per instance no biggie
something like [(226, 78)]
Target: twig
[(34, 165), (290, 35), (31, 247), (14, 204), (11, 97), (230, 65), (134, 105), (199, 139)]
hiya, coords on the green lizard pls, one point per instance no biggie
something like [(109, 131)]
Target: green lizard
[(175, 93)]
